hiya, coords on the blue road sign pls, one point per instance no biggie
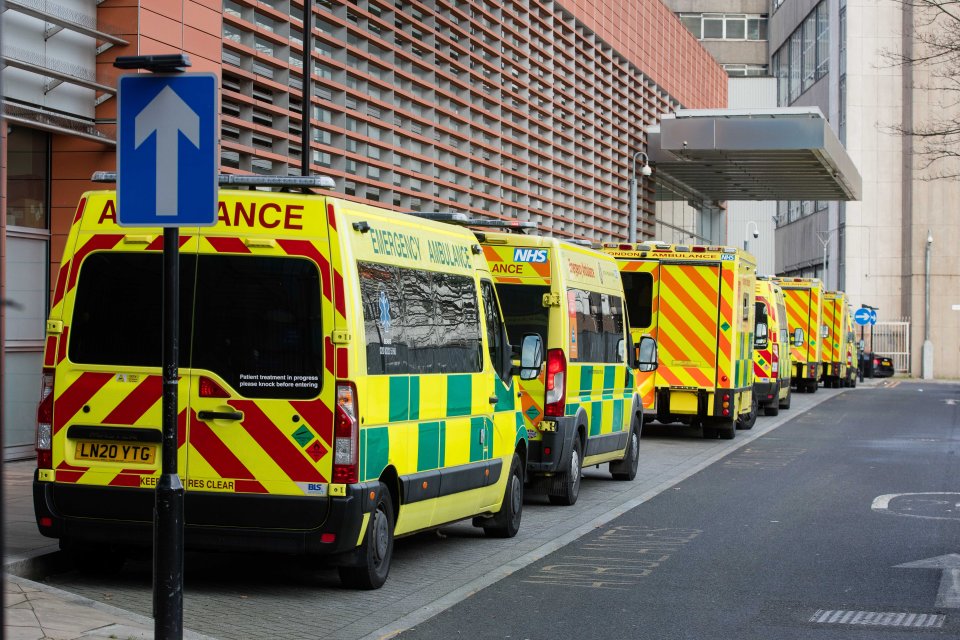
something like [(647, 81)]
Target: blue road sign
[(865, 316), (167, 161)]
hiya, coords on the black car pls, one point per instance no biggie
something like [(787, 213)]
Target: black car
[(882, 367)]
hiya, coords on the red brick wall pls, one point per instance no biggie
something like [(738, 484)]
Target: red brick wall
[(648, 34)]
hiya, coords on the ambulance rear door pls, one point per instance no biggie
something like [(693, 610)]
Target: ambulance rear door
[(688, 328), (261, 362)]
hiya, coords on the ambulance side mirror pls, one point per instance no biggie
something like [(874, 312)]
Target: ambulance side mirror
[(531, 356), (647, 355), (798, 337)]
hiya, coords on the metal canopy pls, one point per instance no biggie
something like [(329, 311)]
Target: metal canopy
[(756, 154)]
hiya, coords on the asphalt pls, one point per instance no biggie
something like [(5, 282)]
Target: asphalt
[(38, 611)]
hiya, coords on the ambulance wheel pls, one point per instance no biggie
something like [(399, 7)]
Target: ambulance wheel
[(566, 485), (376, 550), (785, 403), (772, 409), (853, 381), (746, 421), (506, 522), (812, 386), (728, 429), (626, 469)]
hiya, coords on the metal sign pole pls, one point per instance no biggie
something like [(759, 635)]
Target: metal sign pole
[(168, 516), (165, 106)]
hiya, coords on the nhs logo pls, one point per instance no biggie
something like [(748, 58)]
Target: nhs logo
[(529, 255)]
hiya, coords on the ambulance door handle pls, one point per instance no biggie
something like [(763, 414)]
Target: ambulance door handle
[(493, 399), (220, 415)]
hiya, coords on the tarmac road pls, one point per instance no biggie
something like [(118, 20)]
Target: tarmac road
[(801, 534)]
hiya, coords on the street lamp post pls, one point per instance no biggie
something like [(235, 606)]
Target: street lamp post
[(746, 236), (927, 355), (825, 243), (645, 170)]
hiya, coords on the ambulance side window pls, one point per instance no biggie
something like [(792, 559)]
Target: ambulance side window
[(596, 326), (638, 290), (495, 330), (419, 322)]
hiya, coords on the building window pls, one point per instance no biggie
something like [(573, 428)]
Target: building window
[(823, 41), (725, 26), (809, 50), (740, 70), (28, 173), (805, 56)]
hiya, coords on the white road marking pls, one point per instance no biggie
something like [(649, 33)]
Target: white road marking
[(882, 504), (948, 595), (878, 618)]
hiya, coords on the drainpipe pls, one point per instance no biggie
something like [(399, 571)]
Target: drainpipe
[(927, 344)]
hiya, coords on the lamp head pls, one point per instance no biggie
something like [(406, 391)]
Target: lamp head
[(646, 171)]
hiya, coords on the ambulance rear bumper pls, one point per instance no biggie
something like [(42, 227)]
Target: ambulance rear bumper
[(766, 392), (123, 517)]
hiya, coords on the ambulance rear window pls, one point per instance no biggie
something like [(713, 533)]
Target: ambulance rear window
[(638, 293), (523, 310), (255, 320)]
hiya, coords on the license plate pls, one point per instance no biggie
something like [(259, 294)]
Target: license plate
[(116, 452)]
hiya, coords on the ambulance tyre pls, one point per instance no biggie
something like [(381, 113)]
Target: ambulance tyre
[(376, 550), (506, 522), (772, 409), (785, 403), (709, 431), (626, 469), (727, 429), (566, 485), (747, 420)]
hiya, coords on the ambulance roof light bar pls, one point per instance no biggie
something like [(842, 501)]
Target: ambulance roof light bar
[(240, 180), (456, 217)]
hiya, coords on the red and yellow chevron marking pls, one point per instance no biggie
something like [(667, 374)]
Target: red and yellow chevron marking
[(688, 324), (763, 363), (798, 316), (834, 345)]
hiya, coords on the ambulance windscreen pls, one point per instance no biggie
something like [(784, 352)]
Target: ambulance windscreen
[(523, 310)]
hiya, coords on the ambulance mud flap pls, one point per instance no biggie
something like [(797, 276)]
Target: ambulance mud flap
[(559, 442)]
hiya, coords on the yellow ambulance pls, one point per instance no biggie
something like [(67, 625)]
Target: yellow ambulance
[(804, 298), (698, 303), (851, 353), (771, 349), (838, 367), (582, 409), (345, 378)]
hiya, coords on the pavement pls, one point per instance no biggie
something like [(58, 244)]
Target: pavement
[(38, 611)]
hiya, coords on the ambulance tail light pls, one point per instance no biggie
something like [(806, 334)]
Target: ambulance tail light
[(210, 389), (346, 436), (556, 384), (775, 360), (45, 422)]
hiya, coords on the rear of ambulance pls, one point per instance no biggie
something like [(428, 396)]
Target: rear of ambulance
[(256, 392)]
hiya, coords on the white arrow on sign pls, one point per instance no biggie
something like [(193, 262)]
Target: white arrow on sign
[(167, 115), (948, 595)]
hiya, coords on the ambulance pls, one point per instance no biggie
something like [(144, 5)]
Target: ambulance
[(851, 353), (838, 365), (698, 303), (771, 349), (345, 378), (804, 298), (582, 409)]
